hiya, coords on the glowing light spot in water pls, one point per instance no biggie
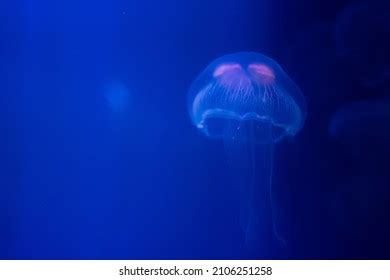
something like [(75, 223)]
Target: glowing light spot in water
[(117, 96)]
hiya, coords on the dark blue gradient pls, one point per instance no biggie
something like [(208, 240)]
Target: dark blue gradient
[(99, 158)]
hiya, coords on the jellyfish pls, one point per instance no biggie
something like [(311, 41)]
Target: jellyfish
[(248, 101)]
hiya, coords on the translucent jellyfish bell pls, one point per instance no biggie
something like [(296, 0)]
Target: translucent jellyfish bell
[(242, 87), (247, 100)]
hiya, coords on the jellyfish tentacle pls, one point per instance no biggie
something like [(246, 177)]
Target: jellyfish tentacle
[(261, 226), (254, 163), (282, 242)]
